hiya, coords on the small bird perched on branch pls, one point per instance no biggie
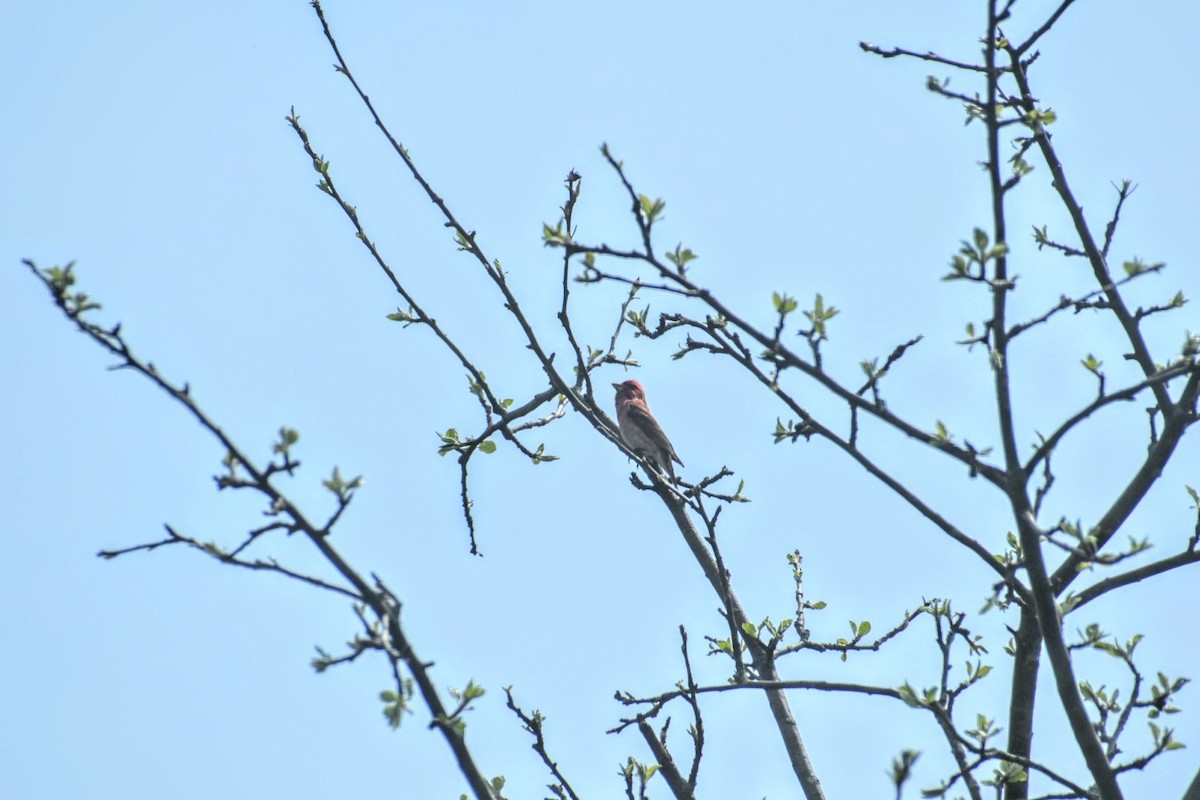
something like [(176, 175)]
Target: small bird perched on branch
[(639, 429)]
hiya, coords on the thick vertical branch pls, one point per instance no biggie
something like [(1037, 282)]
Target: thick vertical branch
[(1060, 659), (1027, 650), (785, 721), (789, 731), (1193, 790), (999, 282), (1030, 534)]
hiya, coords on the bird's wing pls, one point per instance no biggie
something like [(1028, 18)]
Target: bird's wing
[(643, 417)]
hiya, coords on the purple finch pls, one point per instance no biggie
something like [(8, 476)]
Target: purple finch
[(639, 429)]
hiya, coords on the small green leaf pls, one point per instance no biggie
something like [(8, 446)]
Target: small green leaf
[(909, 695), (958, 269), (540, 455), (1137, 267), (681, 256), (651, 209), (981, 239), (450, 441), (551, 236), (784, 305), (819, 315), (287, 438)]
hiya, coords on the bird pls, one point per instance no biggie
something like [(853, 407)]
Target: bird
[(641, 431)]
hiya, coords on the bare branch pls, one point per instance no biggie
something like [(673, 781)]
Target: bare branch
[(867, 47)]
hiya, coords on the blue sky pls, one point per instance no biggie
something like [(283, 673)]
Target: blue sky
[(147, 141)]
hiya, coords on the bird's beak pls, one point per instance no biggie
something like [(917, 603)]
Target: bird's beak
[(617, 386)]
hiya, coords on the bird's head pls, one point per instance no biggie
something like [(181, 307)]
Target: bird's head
[(630, 389)]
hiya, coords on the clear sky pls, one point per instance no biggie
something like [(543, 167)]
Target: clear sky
[(147, 141)]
